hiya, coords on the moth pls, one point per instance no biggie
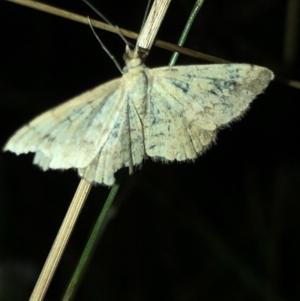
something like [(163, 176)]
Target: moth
[(166, 113)]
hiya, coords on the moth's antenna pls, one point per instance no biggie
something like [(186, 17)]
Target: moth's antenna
[(144, 21), (97, 12), (107, 21), (105, 48)]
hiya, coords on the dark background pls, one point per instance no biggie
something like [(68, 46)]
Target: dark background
[(225, 227)]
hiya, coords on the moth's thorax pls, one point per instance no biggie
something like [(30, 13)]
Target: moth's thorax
[(133, 63), (136, 82)]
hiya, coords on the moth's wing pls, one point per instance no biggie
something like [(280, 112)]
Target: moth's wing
[(124, 146), (188, 103), (71, 135), (219, 93)]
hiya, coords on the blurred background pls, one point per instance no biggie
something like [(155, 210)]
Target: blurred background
[(225, 227)]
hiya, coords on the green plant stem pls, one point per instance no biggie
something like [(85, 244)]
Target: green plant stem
[(90, 246), (186, 29)]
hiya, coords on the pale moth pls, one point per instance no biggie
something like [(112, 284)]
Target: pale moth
[(166, 113)]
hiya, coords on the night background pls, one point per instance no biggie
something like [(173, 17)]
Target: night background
[(225, 227)]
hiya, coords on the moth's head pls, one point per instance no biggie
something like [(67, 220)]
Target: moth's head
[(132, 58)]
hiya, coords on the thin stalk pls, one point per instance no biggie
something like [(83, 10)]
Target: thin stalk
[(186, 29), (60, 242), (90, 246)]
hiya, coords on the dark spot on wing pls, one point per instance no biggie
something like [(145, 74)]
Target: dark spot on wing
[(213, 92), (234, 74), (115, 130), (221, 84), (48, 137), (116, 126), (184, 86)]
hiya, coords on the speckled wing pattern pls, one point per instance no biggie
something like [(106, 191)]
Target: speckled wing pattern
[(168, 113), (188, 103)]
